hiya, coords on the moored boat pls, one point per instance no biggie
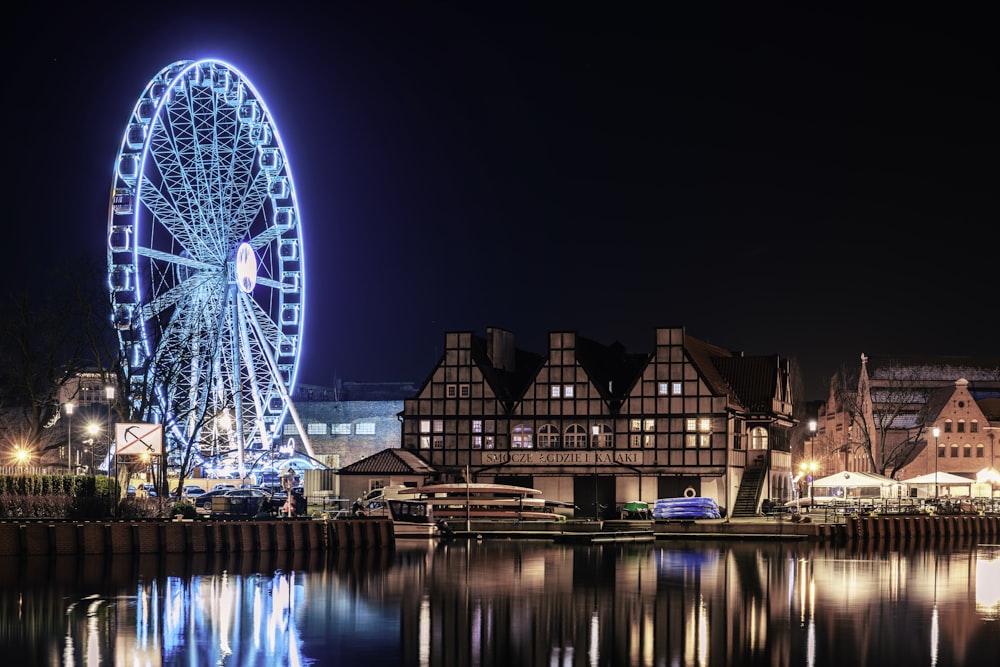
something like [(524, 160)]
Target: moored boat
[(437, 504)]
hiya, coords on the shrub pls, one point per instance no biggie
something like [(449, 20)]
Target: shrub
[(185, 508)]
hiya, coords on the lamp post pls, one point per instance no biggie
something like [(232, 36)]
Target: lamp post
[(936, 431), (109, 393), (69, 437)]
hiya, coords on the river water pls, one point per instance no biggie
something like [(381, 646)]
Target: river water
[(513, 604)]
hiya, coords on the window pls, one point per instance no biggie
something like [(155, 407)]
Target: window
[(477, 442), (425, 425), (648, 424), (967, 451), (451, 391), (463, 390), (477, 425), (947, 426), (954, 451), (341, 429), (555, 391), (576, 437), (438, 442), (675, 389), (488, 442), (314, 428), (365, 428), (635, 425), (568, 391), (644, 440), (662, 388), (425, 442), (961, 426), (548, 436), (521, 438), (602, 436), (974, 426), (980, 451), (758, 438), (942, 451), (439, 426)]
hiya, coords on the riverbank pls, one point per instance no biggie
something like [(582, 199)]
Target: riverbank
[(207, 535)]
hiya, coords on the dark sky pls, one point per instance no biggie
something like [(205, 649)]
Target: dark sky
[(815, 183)]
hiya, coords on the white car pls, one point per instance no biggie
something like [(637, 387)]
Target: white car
[(224, 487)]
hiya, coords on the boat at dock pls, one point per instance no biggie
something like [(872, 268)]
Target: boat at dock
[(427, 510)]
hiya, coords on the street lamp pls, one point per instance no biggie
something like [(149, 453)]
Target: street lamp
[(92, 430), (109, 393), (23, 456), (936, 431), (69, 437)]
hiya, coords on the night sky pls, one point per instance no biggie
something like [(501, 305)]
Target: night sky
[(807, 182)]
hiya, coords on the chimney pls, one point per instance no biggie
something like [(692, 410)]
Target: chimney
[(500, 348)]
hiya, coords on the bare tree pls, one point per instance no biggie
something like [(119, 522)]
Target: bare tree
[(884, 418), (43, 348)]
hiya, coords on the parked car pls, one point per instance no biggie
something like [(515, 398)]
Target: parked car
[(189, 491), (149, 490), (204, 501), (222, 486)]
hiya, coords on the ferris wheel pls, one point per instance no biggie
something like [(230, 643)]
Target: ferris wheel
[(205, 259)]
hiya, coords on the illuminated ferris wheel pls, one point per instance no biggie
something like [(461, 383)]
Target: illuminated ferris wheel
[(205, 258)]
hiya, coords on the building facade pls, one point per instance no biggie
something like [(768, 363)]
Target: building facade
[(901, 399), (597, 426)]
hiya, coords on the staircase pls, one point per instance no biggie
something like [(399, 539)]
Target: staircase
[(748, 497)]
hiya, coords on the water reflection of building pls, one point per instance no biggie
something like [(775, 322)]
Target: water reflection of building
[(499, 602)]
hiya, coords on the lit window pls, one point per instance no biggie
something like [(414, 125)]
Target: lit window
[(425, 425), (488, 442), (690, 440), (477, 442), (704, 440), (477, 425), (439, 426), (568, 391), (555, 390), (314, 428), (648, 424), (635, 425), (521, 438), (675, 389), (705, 425), (425, 442), (662, 388), (341, 429), (365, 428), (692, 424)]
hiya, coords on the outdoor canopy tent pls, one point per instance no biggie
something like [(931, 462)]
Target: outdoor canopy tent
[(851, 479), (943, 479), (851, 484)]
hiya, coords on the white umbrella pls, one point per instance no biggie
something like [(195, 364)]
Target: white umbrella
[(851, 479)]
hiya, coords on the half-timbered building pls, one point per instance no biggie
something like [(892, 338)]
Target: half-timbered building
[(598, 426)]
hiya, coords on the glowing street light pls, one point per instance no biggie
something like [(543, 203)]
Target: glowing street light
[(109, 393), (68, 407), (22, 455)]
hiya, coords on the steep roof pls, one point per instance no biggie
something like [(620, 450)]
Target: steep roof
[(389, 462), (753, 379), (610, 368), (507, 385)]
